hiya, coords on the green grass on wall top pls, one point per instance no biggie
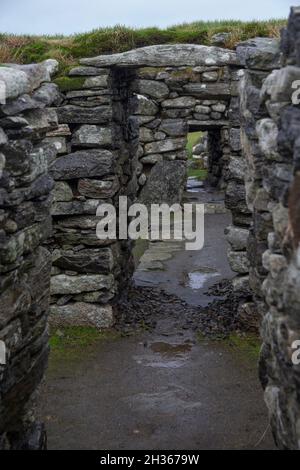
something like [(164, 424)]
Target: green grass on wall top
[(69, 49)]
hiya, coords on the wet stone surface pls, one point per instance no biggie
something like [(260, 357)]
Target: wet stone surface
[(161, 386), (163, 381)]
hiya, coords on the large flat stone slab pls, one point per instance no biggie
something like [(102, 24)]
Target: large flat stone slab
[(175, 55)]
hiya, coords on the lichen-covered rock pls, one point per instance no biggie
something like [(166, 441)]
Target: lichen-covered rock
[(238, 261), (82, 314), (85, 261), (64, 284), (237, 237), (153, 89), (83, 164), (92, 136), (71, 114), (146, 106), (98, 189), (167, 145)]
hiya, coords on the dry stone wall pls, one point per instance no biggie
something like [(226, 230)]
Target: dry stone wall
[(172, 102), (123, 132), (26, 115), (271, 136), (97, 141)]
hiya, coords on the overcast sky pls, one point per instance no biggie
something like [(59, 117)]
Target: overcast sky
[(70, 16)]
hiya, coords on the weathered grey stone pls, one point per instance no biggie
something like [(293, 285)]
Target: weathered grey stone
[(259, 53), (3, 137), (59, 143), (181, 102), (48, 94), (202, 109), (267, 132), (99, 261), (235, 139), (62, 192), (208, 90), (219, 107), (165, 183), (42, 120), (92, 136), (81, 222), (200, 117), (146, 107), (240, 283), (77, 115), (82, 314), (167, 145), (159, 135), (96, 82), (153, 89), (13, 122), (210, 76), (238, 261), (166, 55), (98, 189), (63, 284), (199, 149), (2, 164), (176, 113), (89, 95), (174, 127), (143, 120), (83, 164), (16, 82), (237, 237), (62, 130), (75, 207), (19, 104), (215, 115), (237, 167), (86, 71), (151, 159), (142, 179), (146, 135), (22, 79), (220, 39)]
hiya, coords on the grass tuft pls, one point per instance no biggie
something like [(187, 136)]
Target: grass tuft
[(68, 49)]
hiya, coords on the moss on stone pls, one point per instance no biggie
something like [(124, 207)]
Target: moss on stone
[(70, 84), (246, 346)]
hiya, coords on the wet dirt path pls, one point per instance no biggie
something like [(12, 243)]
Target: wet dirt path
[(167, 388)]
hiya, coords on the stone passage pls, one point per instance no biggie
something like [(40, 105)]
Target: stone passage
[(124, 133)]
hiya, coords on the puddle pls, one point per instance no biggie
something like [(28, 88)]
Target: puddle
[(171, 350), (196, 279), (165, 355)]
